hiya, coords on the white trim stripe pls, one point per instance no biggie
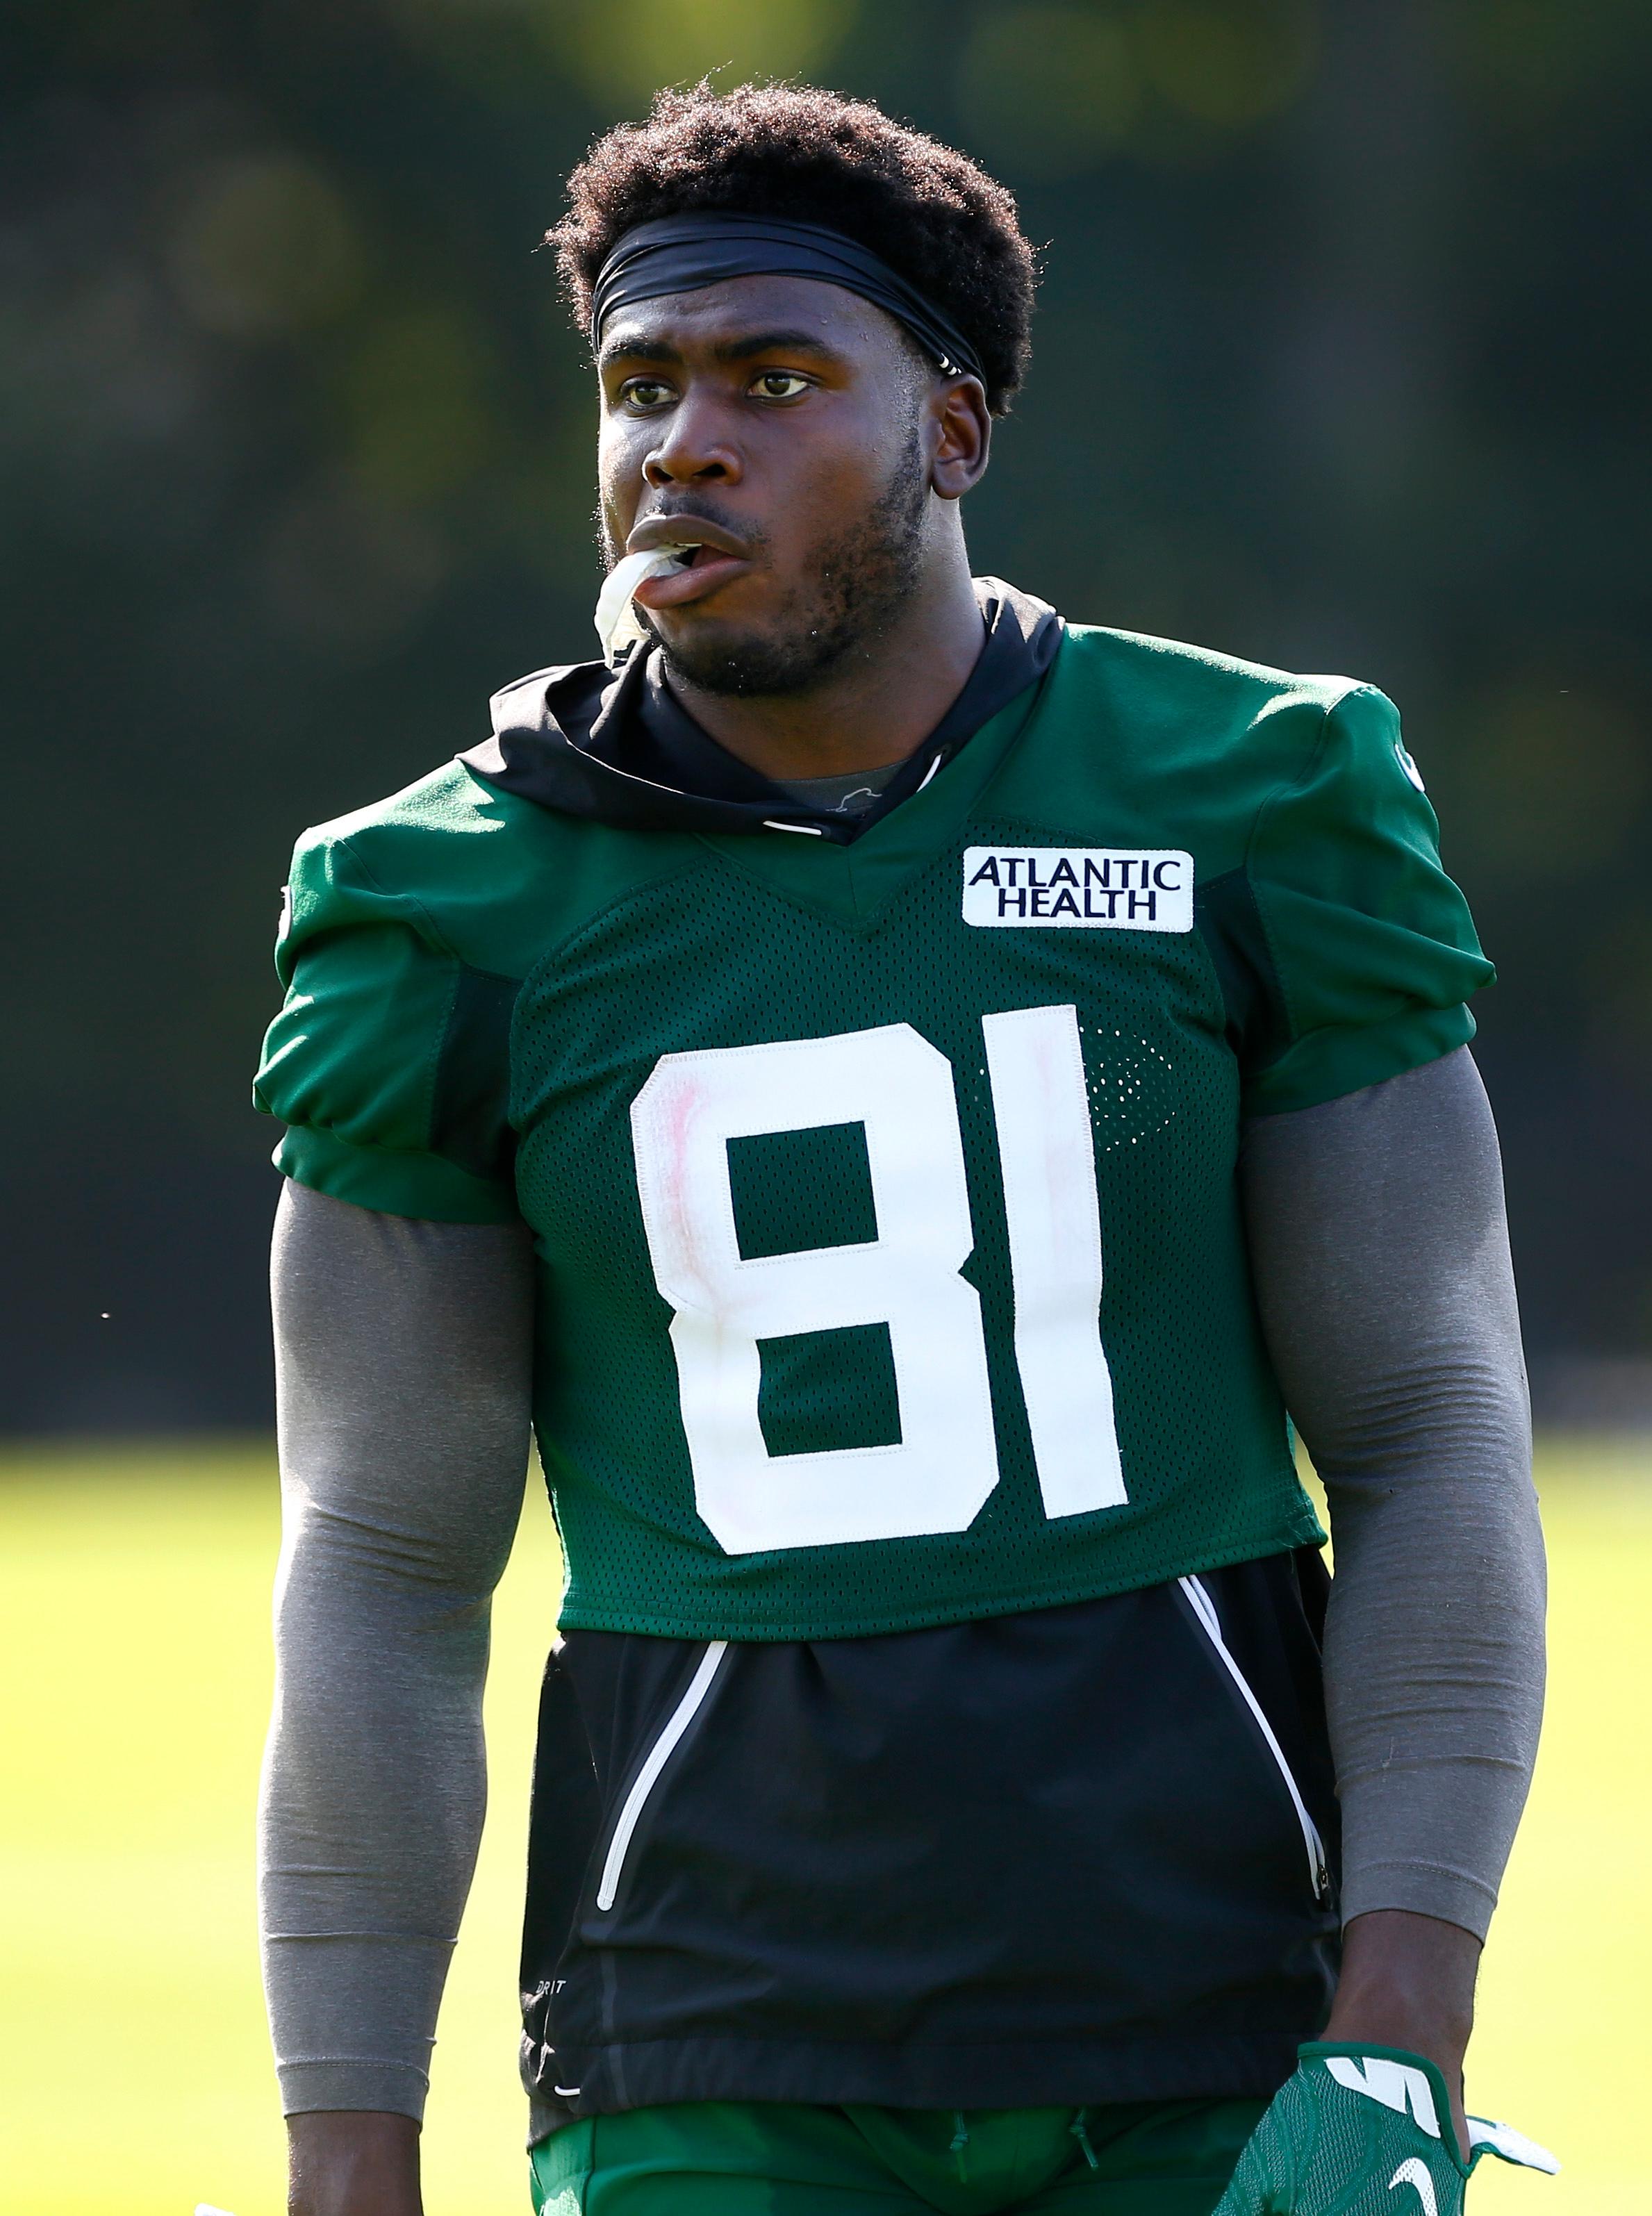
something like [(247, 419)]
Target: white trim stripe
[(646, 1778), (1203, 1609)]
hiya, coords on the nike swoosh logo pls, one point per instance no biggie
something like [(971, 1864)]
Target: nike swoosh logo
[(1416, 2174)]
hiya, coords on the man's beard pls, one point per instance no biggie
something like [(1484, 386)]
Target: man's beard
[(861, 582)]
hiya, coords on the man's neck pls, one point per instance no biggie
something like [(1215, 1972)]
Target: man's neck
[(873, 709)]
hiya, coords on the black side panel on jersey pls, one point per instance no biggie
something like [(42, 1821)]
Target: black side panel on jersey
[(1230, 924), (1033, 1858), (468, 1113)]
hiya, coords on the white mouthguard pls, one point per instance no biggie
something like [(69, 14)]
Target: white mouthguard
[(615, 622)]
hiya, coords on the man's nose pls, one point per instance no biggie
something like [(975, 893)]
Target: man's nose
[(694, 447)]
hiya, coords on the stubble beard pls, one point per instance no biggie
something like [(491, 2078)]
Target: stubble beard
[(861, 584)]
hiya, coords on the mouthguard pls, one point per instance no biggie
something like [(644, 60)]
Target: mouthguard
[(614, 621)]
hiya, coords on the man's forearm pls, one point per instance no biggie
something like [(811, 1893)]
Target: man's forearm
[(403, 1375), (1382, 1268)]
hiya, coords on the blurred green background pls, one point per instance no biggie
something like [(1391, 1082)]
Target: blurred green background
[(1342, 363)]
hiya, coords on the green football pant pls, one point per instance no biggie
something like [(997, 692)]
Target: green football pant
[(786, 2159)]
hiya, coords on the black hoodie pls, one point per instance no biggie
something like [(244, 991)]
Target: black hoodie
[(615, 745)]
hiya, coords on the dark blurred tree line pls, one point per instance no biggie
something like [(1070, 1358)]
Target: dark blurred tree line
[(1343, 363)]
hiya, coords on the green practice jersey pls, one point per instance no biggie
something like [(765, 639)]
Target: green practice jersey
[(882, 1191)]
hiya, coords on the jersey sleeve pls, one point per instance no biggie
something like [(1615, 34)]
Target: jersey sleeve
[(1372, 949), (389, 1061)]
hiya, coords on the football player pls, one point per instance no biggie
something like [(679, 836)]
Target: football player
[(910, 1097)]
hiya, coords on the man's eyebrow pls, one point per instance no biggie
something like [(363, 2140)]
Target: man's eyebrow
[(636, 349), (640, 348), (787, 342)]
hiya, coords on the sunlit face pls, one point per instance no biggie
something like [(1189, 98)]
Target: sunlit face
[(781, 424)]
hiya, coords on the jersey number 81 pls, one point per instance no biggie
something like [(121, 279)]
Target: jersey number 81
[(899, 1087)]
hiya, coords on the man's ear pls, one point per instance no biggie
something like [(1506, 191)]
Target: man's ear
[(965, 435)]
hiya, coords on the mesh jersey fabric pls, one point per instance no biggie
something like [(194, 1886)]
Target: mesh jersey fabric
[(480, 989), (1201, 1426)]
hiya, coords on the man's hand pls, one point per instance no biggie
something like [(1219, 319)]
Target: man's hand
[(1408, 1982), (1363, 2131), (1372, 2122), (352, 2161)]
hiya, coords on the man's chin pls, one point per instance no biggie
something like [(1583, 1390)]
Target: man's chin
[(738, 659)]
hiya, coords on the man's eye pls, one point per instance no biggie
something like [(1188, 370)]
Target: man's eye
[(645, 392), (779, 384)]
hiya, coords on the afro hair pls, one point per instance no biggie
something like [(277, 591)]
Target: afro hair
[(808, 155)]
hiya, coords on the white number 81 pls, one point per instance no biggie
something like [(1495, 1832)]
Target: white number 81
[(899, 1087)]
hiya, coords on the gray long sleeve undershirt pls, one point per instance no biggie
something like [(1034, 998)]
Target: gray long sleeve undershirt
[(403, 1358), (1381, 1261), (1380, 1255)]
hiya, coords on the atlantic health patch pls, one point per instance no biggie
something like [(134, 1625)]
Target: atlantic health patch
[(1079, 888)]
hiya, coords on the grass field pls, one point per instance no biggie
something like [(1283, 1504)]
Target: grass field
[(134, 2075)]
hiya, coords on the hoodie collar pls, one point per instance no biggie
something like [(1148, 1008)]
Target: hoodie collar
[(615, 746)]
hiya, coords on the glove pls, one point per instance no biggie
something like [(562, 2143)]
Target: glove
[(1365, 2131)]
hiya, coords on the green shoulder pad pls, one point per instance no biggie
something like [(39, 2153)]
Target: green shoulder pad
[(388, 1062), (1372, 944)]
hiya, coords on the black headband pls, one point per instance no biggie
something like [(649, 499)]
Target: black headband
[(685, 253)]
